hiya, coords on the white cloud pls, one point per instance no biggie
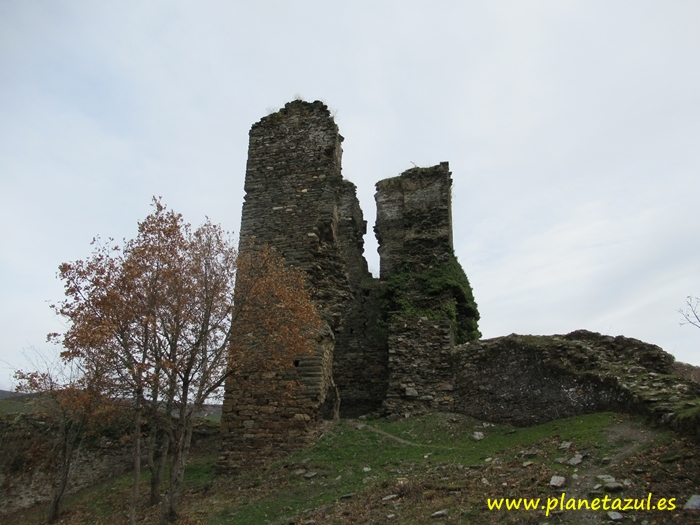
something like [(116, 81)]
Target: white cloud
[(571, 129)]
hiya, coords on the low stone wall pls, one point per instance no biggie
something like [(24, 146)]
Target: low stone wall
[(527, 380), (29, 462), (511, 380)]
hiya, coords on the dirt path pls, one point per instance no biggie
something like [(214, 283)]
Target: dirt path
[(376, 430), (400, 440), (628, 437)]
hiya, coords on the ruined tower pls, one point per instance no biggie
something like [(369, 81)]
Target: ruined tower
[(298, 202), (405, 343), (427, 298)]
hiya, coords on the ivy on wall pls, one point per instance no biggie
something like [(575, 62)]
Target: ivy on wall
[(440, 292)]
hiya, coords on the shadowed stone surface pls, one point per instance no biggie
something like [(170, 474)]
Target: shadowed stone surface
[(297, 201), (528, 380)]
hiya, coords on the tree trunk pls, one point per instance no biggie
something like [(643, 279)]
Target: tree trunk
[(72, 438), (158, 468), (181, 453), (158, 450), (55, 510), (137, 466), (151, 458)]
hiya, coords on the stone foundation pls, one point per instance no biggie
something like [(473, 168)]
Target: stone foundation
[(420, 366)]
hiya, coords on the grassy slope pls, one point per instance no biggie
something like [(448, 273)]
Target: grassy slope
[(17, 404), (430, 463)]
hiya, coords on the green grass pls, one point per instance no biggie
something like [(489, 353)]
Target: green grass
[(435, 447), (339, 458)]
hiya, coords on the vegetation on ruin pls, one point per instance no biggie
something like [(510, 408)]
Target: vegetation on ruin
[(429, 463), (441, 292)]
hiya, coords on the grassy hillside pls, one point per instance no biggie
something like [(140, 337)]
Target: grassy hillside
[(7, 393), (13, 403), (404, 471)]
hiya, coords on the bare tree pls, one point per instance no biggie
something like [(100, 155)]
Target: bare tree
[(691, 313), (72, 401)]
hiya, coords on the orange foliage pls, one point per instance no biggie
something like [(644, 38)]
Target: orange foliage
[(275, 318), (174, 313)]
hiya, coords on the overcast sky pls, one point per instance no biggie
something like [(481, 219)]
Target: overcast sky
[(572, 130)]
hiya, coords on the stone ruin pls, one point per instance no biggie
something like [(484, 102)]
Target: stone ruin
[(407, 342)]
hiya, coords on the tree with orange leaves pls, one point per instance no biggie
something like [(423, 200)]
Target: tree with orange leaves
[(169, 317)]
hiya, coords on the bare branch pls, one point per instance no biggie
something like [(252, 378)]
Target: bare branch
[(692, 312)]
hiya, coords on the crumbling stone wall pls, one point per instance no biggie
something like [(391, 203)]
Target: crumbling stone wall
[(428, 299), (294, 189), (298, 202), (360, 364), (421, 364), (527, 380), (414, 229), (361, 360), (414, 220)]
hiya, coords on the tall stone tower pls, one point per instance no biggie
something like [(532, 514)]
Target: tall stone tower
[(427, 297), (384, 341), (294, 196), (298, 202)]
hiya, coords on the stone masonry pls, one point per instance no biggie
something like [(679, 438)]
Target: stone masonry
[(297, 201), (414, 219), (414, 230), (408, 342)]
